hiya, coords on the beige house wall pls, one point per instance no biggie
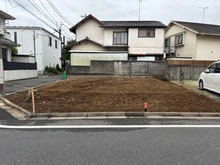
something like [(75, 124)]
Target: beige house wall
[(145, 45), (90, 29), (188, 48), (208, 47), (108, 35)]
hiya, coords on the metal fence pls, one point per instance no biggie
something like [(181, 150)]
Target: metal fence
[(19, 66)]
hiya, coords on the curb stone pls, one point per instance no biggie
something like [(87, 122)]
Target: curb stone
[(108, 114), (7, 102)]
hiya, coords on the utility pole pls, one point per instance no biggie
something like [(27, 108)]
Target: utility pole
[(2, 82), (139, 11), (204, 8), (34, 38)]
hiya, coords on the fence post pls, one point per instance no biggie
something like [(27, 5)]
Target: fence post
[(2, 81), (129, 68), (33, 103)]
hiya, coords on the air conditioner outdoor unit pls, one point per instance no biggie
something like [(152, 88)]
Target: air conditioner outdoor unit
[(167, 50), (172, 50)]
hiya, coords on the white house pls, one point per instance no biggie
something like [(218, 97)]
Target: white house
[(116, 40), (191, 40), (39, 43), (13, 69)]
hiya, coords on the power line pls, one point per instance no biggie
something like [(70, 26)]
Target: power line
[(71, 7), (57, 11), (81, 7), (48, 11), (41, 12), (11, 4), (33, 14), (18, 4)]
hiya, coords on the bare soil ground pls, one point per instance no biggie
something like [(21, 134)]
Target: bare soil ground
[(112, 94)]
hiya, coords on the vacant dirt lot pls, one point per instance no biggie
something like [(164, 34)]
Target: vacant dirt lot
[(115, 94)]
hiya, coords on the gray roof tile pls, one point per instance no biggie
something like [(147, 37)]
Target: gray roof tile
[(201, 28), (132, 24)]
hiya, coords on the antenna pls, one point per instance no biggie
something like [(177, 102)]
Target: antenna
[(139, 15), (203, 12)]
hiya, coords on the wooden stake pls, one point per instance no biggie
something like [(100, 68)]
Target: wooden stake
[(33, 103)]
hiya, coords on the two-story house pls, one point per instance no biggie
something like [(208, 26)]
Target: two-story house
[(191, 40), (14, 68), (117, 40), (5, 37), (38, 42)]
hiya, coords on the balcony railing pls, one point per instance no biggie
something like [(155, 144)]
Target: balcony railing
[(19, 66)]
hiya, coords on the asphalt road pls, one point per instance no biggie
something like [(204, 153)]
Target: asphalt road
[(19, 85), (153, 146)]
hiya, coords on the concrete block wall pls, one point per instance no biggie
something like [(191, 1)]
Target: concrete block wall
[(120, 68), (78, 70), (102, 67), (190, 72)]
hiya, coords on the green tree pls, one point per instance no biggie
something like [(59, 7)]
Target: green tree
[(66, 48), (14, 50), (71, 42)]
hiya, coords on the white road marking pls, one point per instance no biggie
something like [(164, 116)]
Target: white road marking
[(106, 126)]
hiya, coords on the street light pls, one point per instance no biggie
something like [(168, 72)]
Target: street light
[(203, 12)]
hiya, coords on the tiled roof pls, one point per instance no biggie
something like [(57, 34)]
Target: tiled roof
[(201, 28), (132, 24), (86, 39), (8, 42), (152, 24)]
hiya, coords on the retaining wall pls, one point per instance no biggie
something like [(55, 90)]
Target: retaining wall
[(120, 68)]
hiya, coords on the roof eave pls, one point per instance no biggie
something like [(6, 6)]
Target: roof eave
[(73, 28), (209, 34), (6, 16), (173, 22)]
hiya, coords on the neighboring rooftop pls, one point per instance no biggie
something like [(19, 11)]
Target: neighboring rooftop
[(31, 28), (6, 15), (125, 24), (200, 28), (132, 24), (8, 42)]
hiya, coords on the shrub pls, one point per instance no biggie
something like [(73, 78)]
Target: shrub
[(51, 70), (58, 68), (46, 68)]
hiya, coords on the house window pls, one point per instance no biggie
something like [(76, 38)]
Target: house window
[(120, 38), (50, 41), (179, 39), (146, 33), (167, 42), (56, 44), (15, 37)]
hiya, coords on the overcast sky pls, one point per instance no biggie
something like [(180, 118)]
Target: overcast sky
[(73, 10)]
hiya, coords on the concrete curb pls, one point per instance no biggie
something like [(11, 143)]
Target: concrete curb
[(112, 114), (127, 114), (7, 102)]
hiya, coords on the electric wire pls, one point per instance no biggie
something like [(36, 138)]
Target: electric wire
[(48, 11), (59, 14), (11, 4), (81, 7), (42, 12), (71, 7), (18, 4)]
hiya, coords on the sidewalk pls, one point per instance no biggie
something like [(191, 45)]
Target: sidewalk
[(9, 113)]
